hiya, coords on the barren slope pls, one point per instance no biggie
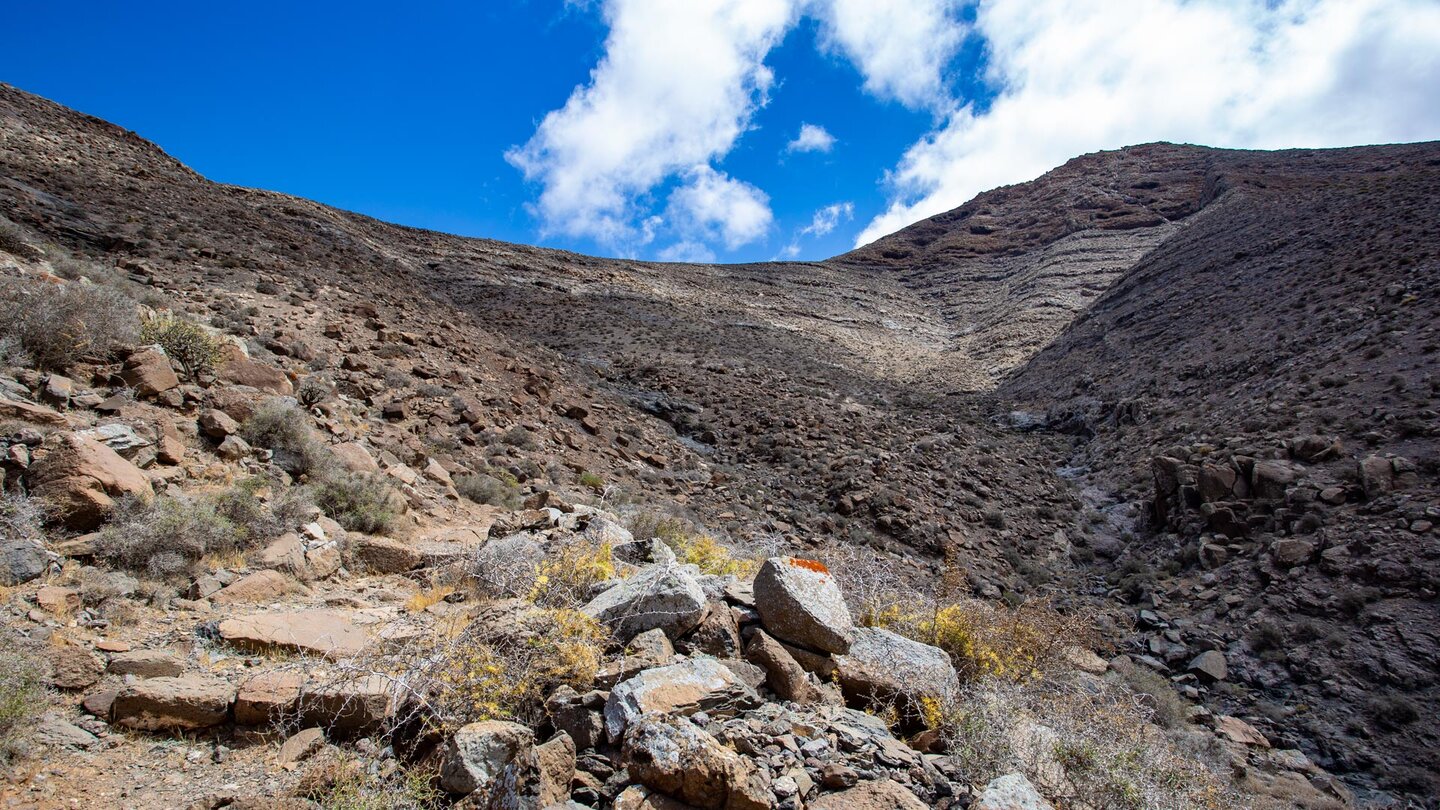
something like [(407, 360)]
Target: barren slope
[(1227, 301)]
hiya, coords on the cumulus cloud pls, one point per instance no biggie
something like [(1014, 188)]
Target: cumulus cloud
[(828, 217), (812, 138), (712, 205), (1075, 76), (901, 49), (677, 86)]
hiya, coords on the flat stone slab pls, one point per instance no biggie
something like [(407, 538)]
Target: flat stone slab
[(323, 632)]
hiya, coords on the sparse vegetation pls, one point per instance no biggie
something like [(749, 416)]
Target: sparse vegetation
[(499, 489), (169, 536), (186, 342), (360, 503), (22, 688), (13, 240), (58, 324), (566, 578), (286, 431)]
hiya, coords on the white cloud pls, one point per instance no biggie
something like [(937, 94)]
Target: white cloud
[(901, 49), (812, 138), (712, 205), (687, 251), (677, 86), (828, 217), (1075, 76)]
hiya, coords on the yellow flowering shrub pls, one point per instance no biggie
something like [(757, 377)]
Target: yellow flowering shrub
[(565, 578), (507, 679), (710, 555), (988, 641)]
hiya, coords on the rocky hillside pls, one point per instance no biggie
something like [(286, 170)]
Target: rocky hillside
[(373, 514)]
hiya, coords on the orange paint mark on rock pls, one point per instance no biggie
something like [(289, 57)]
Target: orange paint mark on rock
[(809, 565)]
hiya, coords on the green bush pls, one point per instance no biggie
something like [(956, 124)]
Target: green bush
[(486, 489), (360, 503), (196, 350), (58, 324)]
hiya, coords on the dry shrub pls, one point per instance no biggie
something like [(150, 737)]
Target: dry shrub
[(993, 641), (22, 692), (566, 578), (286, 431), (500, 669), (500, 489), (873, 584), (1083, 745), (58, 324), (360, 503), (15, 241), (711, 556), (168, 537)]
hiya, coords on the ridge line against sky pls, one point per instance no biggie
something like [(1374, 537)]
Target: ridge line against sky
[(703, 130), (678, 86)]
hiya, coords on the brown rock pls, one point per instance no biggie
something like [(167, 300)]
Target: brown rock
[(554, 770), (73, 667), (1237, 730), (287, 553), (883, 795), (174, 704), (169, 449), (236, 367), (268, 697), (260, 586), (675, 757), (328, 633), (357, 705), (17, 410), (81, 480), (57, 600), (355, 458), (149, 373), (146, 664), (783, 674), (301, 745), (382, 555), (217, 424)]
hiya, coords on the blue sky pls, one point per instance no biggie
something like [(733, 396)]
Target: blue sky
[(663, 129)]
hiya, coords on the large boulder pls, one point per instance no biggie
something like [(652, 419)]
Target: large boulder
[(148, 372), (237, 367), (383, 555), (672, 755), (173, 704), (662, 595), (479, 754), (324, 632), (19, 410), (701, 684), (81, 478), (1011, 792), (359, 704), (800, 602), (883, 795), (884, 666), (783, 674), (255, 587)]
